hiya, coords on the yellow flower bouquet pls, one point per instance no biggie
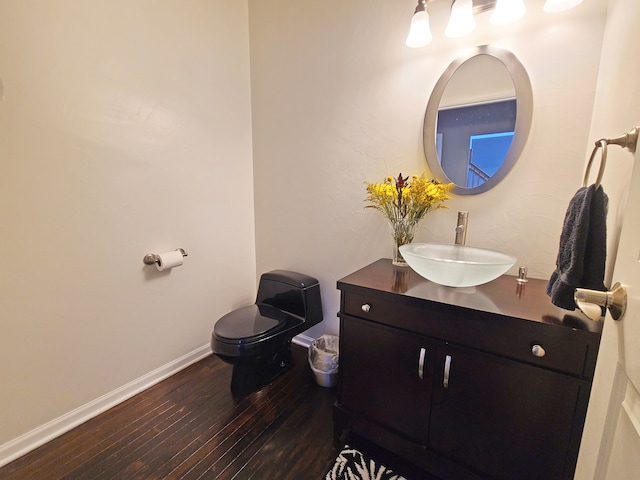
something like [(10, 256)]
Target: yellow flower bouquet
[(405, 202)]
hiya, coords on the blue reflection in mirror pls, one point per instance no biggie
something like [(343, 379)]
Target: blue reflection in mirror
[(486, 154), (472, 141)]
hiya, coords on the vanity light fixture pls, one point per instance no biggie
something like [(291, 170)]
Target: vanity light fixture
[(559, 5), (420, 32), (507, 11), (461, 21)]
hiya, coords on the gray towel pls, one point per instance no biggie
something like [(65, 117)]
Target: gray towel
[(583, 247)]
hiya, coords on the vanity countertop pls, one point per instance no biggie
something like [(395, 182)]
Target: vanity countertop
[(504, 296)]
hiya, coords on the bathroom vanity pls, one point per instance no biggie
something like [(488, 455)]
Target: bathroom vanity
[(486, 382)]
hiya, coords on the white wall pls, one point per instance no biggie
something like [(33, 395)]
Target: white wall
[(338, 99), (125, 129)]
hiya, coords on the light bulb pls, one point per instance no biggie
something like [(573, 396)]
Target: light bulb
[(559, 5), (461, 21), (507, 11), (419, 33)]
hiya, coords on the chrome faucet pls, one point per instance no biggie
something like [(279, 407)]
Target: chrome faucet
[(461, 228)]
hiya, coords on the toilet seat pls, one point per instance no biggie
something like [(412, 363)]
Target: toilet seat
[(249, 324)]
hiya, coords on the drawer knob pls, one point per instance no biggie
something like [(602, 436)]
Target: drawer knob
[(538, 351), (366, 307)]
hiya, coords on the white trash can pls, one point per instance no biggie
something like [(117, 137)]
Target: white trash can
[(323, 360)]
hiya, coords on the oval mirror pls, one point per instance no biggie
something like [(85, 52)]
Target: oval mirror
[(478, 119)]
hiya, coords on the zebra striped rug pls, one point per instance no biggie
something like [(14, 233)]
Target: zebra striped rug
[(352, 464)]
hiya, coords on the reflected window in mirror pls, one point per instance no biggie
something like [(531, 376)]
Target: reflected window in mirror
[(472, 141)]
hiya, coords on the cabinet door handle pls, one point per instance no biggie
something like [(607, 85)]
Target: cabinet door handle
[(366, 307), (447, 368), (423, 352)]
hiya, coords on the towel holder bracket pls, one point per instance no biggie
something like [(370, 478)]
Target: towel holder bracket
[(629, 140)]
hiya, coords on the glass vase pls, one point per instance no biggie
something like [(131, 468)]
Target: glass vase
[(403, 232)]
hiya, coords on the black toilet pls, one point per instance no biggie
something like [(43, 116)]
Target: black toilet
[(256, 339)]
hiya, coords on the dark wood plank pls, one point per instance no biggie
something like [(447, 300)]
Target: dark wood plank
[(83, 443), (190, 426)]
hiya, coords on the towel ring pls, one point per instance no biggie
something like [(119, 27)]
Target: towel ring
[(602, 143), (629, 141)]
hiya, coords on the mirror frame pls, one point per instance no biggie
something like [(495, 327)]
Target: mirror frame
[(524, 117)]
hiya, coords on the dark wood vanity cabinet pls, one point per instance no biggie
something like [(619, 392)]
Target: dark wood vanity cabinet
[(389, 373), (503, 417), (490, 382)]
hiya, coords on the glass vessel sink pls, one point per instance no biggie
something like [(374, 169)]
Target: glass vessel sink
[(456, 265)]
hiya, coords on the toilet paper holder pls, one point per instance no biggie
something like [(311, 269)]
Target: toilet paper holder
[(152, 258)]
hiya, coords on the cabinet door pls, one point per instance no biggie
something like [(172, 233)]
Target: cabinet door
[(386, 376), (506, 419)]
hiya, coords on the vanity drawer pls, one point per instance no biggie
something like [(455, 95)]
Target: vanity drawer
[(558, 348), (380, 311)]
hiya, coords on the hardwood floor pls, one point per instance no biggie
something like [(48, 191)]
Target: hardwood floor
[(190, 426)]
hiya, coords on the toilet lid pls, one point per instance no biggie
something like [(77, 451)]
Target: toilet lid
[(249, 322)]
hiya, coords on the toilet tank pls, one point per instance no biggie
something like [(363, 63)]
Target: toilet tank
[(292, 292)]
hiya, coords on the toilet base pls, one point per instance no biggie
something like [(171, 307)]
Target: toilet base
[(248, 377)]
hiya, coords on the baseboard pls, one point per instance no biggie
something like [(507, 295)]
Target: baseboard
[(31, 440)]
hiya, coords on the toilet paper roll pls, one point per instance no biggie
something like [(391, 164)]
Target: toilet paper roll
[(169, 260)]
